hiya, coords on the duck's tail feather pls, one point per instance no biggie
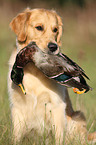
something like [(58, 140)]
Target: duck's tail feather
[(75, 84), (71, 62)]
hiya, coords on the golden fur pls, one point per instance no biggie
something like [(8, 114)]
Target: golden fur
[(43, 95)]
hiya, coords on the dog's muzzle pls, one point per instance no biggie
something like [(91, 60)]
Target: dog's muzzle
[(53, 48)]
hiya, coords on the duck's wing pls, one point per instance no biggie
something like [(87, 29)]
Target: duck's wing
[(76, 67), (54, 67), (61, 76), (64, 71), (50, 69)]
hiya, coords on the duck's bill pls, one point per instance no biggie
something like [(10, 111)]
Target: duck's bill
[(22, 88), (77, 91)]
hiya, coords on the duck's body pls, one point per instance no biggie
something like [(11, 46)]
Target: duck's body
[(57, 67)]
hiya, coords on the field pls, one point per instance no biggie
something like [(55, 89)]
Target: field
[(78, 42)]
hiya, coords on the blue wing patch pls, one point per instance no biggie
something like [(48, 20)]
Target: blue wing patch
[(62, 78)]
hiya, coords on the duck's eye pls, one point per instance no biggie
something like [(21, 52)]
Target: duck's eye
[(40, 28), (55, 30)]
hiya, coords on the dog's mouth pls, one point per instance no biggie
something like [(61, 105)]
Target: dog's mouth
[(52, 48), (54, 52)]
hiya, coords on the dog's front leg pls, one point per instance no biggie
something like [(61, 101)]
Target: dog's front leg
[(59, 119), (18, 125)]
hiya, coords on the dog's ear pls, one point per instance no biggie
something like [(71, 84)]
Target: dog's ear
[(18, 25), (60, 30)]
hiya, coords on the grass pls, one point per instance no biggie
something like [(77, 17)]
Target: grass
[(78, 42)]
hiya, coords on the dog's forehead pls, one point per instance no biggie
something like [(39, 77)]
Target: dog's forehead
[(43, 17)]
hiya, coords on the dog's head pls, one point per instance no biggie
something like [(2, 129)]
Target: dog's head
[(39, 25)]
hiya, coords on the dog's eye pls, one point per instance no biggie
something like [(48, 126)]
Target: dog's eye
[(40, 28), (55, 30)]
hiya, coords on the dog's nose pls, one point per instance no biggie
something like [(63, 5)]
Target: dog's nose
[(52, 47)]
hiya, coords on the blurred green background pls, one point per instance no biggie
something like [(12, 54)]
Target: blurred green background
[(78, 42)]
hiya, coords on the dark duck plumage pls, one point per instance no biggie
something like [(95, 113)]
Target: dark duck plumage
[(57, 67)]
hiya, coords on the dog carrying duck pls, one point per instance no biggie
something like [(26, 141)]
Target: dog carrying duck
[(58, 67)]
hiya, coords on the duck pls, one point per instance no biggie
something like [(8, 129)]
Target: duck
[(59, 67)]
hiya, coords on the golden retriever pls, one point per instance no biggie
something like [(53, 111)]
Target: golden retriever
[(46, 104)]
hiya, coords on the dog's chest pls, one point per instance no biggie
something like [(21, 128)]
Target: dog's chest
[(35, 81)]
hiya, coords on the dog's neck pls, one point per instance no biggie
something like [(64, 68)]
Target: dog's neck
[(20, 45), (17, 45)]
